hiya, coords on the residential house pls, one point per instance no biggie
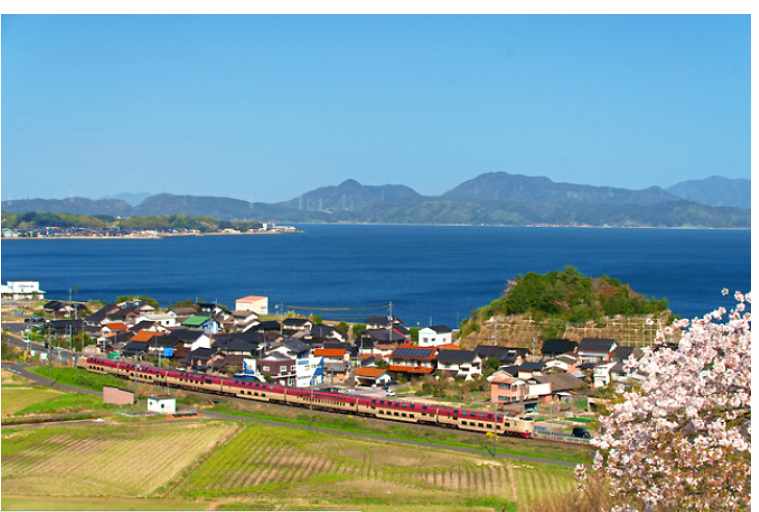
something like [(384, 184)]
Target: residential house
[(333, 355), (562, 384), (297, 324), (382, 322), (279, 367), (596, 350), (371, 377), (242, 344), (101, 315), (192, 339), (322, 333), (385, 336), (602, 374), (412, 360), (204, 322), (268, 326), (242, 319), (65, 327), (504, 355), (556, 347), (257, 303), (528, 370), (199, 357), (114, 327), (506, 388), (435, 335), (165, 319), (460, 363), (566, 363)]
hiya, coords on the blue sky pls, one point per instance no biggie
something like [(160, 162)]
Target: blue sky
[(265, 108)]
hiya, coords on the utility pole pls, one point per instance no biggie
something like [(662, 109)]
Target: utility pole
[(390, 322)]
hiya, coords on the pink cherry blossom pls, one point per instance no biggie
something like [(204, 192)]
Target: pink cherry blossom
[(681, 438)]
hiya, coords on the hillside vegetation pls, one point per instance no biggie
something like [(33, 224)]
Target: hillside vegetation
[(559, 299), (32, 220)]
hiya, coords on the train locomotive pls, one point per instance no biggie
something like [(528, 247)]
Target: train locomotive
[(397, 410)]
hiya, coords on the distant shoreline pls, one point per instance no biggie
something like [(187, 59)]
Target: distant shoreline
[(147, 237)]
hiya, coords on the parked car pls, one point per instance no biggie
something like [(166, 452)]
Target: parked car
[(581, 433)]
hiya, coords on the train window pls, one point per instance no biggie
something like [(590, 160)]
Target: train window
[(403, 414), (508, 424), (479, 424)]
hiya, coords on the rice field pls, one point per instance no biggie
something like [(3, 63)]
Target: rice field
[(103, 460), (284, 466), (158, 463)]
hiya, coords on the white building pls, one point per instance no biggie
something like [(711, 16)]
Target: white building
[(602, 374), (435, 335), (22, 290), (309, 371), (167, 319), (162, 404), (255, 303)]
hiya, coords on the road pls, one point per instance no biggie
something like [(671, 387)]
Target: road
[(15, 339)]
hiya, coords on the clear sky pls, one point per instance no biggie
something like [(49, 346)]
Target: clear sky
[(265, 108)]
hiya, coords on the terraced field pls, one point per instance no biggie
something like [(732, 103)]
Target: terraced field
[(279, 465)]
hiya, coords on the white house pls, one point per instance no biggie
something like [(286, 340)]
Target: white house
[(162, 404), (536, 389), (602, 374), (435, 335), (167, 319), (460, 363), (256, 303), (596, 350), (22, 290)]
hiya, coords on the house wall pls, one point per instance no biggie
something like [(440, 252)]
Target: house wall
[(504, 393), (430, 338)]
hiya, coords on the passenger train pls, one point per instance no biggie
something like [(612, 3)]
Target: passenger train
[(463, 419)]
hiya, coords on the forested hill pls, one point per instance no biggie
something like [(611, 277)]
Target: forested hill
[(556, 301)]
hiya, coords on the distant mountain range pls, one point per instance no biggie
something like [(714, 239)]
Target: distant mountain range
[(496, 198), (715, 191)]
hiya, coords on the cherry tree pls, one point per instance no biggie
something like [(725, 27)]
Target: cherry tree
[(681, 440)]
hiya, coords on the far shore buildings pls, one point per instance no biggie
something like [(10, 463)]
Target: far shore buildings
[(22, 290), (258, 304)]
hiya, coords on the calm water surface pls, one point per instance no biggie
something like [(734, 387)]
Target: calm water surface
[(436, 274)]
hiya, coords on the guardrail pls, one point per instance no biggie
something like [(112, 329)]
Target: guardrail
[(557, 436)]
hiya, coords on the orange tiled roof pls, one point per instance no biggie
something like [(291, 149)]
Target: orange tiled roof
[(116, 326), (369, 371), (330, 352), (410, 369), (449, 346), (144, 336)]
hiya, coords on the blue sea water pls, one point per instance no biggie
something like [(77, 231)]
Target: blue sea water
[(432, 274)]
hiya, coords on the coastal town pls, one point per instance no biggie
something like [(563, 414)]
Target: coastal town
[(558, 387), (93, 233)]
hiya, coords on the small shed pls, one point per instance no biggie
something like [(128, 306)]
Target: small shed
[(117, 396), (162, 404)]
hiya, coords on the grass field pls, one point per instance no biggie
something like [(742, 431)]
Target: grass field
[(77, 377), (129, 459), (17, 397)]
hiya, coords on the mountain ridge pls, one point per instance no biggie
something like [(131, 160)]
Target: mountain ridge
[(495, 198)]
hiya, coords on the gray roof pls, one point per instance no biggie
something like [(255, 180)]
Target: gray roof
[(456, 356), (440, 329), (596, 345)]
